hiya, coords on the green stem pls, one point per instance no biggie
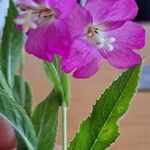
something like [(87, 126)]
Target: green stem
[(64, 127), (65, 105), (22, 82)]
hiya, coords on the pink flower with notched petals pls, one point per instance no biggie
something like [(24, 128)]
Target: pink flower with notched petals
[(44, 23), (103, 30)]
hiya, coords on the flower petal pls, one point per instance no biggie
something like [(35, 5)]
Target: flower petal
[(37, 48), (78, 21), (58, 38), (109, 11), (89, 69), (130, 35), (122, 58), (39, 1), (64, 6), (26, 2), (47, 40), (84, 59)]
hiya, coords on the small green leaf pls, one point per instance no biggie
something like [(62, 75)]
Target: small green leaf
[(18, 118), (27, 102), (45, 120), (59, 79), (100, 130), (11, 46), (53, 75)]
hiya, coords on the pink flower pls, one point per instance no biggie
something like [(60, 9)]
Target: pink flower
[(44, 23), (103, 30)]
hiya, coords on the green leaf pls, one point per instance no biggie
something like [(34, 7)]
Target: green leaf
[(53, 75), (18, 118), (59, 79), (27, 95), (45, 120), (11, 46), (4, 86), (100, 130)]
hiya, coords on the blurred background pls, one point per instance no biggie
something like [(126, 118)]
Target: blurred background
[(144, 10), (135, 126)]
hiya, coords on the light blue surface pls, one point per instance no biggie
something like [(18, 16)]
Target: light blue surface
[(145, 78)]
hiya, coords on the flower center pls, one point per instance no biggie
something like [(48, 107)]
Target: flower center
[(96, 35), (34, 16)]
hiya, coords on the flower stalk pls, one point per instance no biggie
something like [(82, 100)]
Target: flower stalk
[(65, 105), (64, 127)]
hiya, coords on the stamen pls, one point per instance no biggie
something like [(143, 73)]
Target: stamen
[(107, 43), (98, 37), (111, 40), (110, 47), (26, 22), (90, 34), (33, 17)]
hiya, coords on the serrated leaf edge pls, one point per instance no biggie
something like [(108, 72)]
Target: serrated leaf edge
[(84, 120)]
